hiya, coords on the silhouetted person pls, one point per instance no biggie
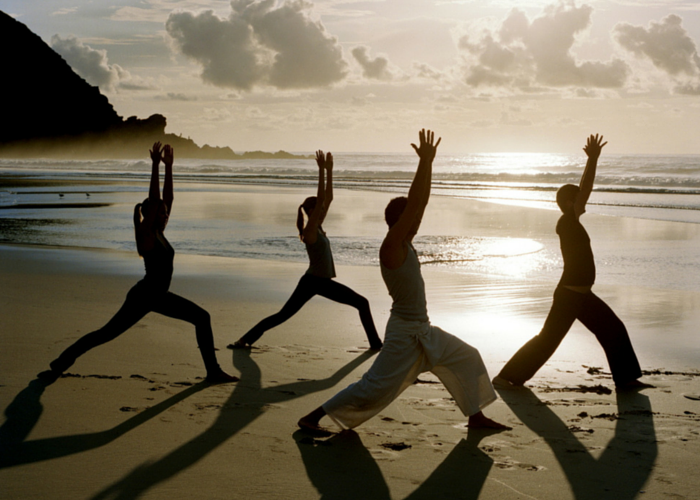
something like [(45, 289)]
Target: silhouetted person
[(573, 298), (411, 344), (151, 293), (318, 279)]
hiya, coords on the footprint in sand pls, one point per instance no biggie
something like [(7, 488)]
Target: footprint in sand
[(509, 464), (396, 446), (131, 408)]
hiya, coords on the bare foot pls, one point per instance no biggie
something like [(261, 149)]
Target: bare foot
[(481, 421), (221, 378), (238, 344), (634, 386), (502, 383), (309, 425), (376, 347)]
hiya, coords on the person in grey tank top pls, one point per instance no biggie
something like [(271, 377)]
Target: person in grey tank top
[(411, 344), (318, 279)]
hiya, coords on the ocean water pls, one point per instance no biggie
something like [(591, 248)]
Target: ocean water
[(501, 251), (648, 186), (237, 209)]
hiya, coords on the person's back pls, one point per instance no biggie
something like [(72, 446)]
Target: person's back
[(576, 252), (407, 288), (158, 261), (320, 256)]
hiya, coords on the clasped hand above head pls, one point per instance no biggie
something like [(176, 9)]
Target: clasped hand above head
[(324, 161), (164, 153)]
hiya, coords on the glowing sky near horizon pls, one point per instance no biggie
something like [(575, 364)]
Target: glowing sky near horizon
[(345, 75)]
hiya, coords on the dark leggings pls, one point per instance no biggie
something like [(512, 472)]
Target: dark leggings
[(597, 316), (142, 299), (309, 286)]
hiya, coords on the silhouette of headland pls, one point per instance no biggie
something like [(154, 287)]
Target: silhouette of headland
[(57, 114)]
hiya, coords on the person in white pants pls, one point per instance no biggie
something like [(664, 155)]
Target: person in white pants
[(411, 344)]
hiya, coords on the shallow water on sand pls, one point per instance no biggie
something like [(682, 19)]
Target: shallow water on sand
[(490, 268), (464, 236)]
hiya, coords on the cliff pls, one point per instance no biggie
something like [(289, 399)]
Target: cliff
[(52, 112)]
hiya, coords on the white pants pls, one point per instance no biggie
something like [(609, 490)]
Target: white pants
[(411, 348)]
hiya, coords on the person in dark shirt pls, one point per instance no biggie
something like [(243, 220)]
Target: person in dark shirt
[(318, 279), (573, 298), (151, 293)]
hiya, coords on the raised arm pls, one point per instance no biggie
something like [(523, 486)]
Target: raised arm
[(319, 212), (594, 146), (329, 181), (168, 158), (393, 253), (156, 156), (137, 219), (144, 238)]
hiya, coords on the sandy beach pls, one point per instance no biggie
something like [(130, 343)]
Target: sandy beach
[(132, 419)]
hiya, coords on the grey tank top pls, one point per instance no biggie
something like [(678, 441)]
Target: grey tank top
[(320, 257), (406, 287)]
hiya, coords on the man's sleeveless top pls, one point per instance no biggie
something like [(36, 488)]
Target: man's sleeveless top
[(406, 287)]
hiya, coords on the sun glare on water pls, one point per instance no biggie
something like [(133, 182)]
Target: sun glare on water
[(514, 257)]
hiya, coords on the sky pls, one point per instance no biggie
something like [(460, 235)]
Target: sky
[(365, 76)]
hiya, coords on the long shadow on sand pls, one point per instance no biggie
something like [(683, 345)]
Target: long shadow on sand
[(24, 412), (342, 468), (624, 466), (232, 417)]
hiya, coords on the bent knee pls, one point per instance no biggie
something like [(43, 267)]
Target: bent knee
[(202, 316), (361, 302)]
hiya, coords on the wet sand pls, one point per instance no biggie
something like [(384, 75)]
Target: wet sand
[(134, 420)]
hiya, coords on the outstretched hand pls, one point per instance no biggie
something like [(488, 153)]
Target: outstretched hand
[(594, 146), (324, 161), (428, 146), (168, 155), (156, 152)]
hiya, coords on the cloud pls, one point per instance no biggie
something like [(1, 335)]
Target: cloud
[(482, 124), (93, 66), (260, 43), (89, 63), (377, 68), (64, 11), (528, 55), (641, 105), (423, 70), (669, 48), (217, 114), (175, 96), (688, 89), (666, 44)]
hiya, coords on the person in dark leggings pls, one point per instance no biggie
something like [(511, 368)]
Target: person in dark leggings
[(573, 298), (318, 279), (151, 293)]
